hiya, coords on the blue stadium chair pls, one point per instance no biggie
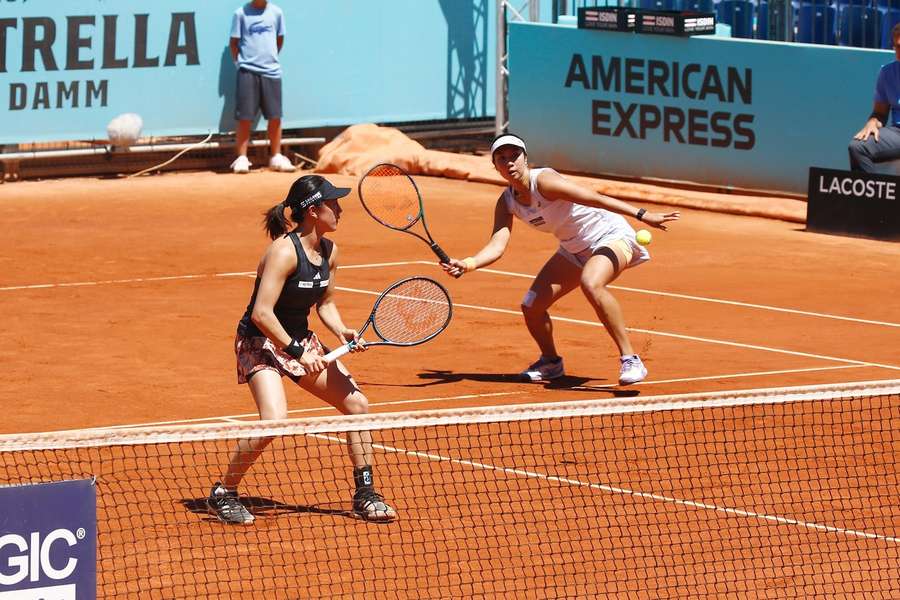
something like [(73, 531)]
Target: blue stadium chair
[(859, 26), (770, 21), (815, 24), (888, 20), (800, 3), (701, 5), (841, 3), (738, 14), (762, 20), (886, 5), (657, 4)]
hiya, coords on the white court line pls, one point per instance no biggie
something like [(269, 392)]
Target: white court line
[(421, 400), (237, 418), (692, 338), (718, 301), (726, 376), (627, 492), (664, 294), (41, 286), (485, 270), (327, 408), (511, 312)]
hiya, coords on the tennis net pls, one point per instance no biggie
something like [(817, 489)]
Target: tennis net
[(781, 493)]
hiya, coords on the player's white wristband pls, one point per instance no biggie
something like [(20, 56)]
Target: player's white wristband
[(470, 264)]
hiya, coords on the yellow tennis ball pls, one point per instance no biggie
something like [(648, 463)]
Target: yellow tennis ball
[(643, 237)]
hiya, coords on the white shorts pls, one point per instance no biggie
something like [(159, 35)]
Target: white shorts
[(633, 252)]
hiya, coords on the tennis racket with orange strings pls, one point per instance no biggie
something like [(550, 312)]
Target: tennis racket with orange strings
[(391, 197), (408, 313)]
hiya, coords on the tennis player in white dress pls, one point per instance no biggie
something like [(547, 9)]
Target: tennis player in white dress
[(596, 244)]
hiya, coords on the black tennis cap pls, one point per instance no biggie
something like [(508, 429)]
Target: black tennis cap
[(311, 190)]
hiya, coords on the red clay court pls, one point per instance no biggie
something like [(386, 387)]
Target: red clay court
[(121, 300)]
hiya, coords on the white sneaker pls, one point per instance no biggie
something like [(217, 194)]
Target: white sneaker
[(241, 165), (280, 162), (632, 371), (544, 369)]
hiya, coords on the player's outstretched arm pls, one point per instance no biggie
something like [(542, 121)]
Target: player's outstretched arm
[(554, 186), (492, 251)]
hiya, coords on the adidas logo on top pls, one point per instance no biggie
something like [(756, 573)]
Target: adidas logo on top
[(317, 276)]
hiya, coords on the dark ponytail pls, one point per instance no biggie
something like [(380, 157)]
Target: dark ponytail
[(274, 221)]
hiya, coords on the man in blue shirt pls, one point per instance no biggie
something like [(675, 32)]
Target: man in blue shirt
[(877, 141), (257, 34)]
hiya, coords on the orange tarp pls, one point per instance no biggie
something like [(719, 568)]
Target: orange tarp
[(359, 147)]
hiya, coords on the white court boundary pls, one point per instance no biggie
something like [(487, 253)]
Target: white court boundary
[(845, 361), (737, 512), (485, 270)]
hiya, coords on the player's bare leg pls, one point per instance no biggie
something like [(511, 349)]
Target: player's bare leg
[(599, 271), (556, 278), (335, 386), (223, 501)]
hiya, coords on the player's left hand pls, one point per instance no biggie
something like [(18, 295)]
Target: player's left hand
[(659, 220), (351, 335)]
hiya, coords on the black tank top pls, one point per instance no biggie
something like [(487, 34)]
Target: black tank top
[(301, 291)]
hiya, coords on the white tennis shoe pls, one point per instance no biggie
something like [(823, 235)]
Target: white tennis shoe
[(632, 371), (241, 165), (280, 162)]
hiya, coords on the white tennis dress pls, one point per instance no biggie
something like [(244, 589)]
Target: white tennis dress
[(578, 228)]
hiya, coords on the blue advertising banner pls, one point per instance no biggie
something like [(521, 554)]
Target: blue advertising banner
[(67, 67), (720, 111), (48, 541)]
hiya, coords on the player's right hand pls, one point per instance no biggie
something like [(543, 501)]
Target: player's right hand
[(312, 362), (454, 268)]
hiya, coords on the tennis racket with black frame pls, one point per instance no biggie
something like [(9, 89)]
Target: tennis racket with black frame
[(408, 313), (391, 197)]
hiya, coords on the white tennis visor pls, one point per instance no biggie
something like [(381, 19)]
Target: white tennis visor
[(508, 140)]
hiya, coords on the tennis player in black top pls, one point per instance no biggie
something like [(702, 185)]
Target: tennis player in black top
[(273, 340)]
